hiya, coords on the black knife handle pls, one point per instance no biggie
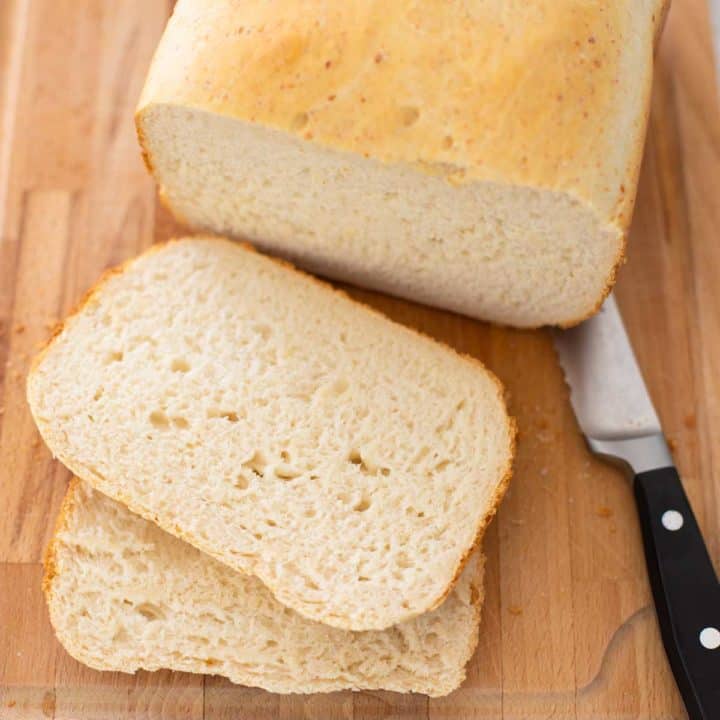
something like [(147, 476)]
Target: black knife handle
[(685, 588)]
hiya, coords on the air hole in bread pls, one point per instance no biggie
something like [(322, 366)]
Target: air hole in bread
[(159, 420), (98, 393), (270, 522), (447, 142), (180, 422), (150, 611), (229, 415), (310, 512), (257, 463), (180, 365), (286, 472), (114, 356), (362, 505), (339, 386), (362, 578), (121, 635), (241, 482), (366, 467), (449, 424)]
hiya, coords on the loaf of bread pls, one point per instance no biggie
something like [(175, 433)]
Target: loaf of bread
[(124, 595), (290, 432), (479, 156)]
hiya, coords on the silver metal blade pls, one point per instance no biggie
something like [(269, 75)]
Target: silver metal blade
[(607, 390)]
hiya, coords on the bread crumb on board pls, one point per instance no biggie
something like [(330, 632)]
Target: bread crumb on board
[(515, 610), (604, 512)]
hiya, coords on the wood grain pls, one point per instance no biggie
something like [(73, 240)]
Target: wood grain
[(568, 628)]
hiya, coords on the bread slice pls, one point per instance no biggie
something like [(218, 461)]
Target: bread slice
[(478, 156), (125, 595), (349, 462)]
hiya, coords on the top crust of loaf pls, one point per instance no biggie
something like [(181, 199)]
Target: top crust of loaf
[(56, 436), (550, 94)]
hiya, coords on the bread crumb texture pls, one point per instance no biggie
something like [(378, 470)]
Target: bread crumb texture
[(348, 462), (124, 595)]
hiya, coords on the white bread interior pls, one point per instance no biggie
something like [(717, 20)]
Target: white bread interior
[(349, 462)]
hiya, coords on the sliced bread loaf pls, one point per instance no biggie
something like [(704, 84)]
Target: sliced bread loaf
[(124, 595), (349, 462), (478, 156)]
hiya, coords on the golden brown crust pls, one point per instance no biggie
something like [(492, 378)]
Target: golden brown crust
[(498, 495), (632, 175), (147, 161), (477, 600), (90, 477), (142, 141), (61, 521)]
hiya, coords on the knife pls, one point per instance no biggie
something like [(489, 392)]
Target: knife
[(617, 417)]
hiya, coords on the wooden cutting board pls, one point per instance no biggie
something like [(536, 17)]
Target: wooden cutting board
[(568, 628)]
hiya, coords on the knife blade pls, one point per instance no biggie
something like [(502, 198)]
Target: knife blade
[(617, 417)]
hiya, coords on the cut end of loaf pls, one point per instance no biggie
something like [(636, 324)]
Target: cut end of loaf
[(349, 462), (124, 595), (507, 253)]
